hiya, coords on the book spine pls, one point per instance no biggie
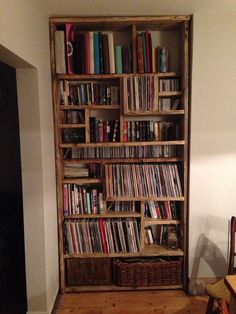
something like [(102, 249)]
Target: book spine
[(111, 53), (60, 52), (101, 61), (70, 53), (91, 52), (105, 51), (144, 52), (96, 53), (118, 59), (87, 52), (140, 53), (147, 52)]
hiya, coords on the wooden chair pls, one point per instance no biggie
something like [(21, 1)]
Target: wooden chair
[(218, 290), (223, 308)]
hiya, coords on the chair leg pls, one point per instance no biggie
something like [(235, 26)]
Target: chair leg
[(210, 305)]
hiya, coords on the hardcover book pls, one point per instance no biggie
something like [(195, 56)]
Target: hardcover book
[(60, 52), (70, 51)]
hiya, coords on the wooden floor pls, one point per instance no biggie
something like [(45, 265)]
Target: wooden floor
[(129, 302)]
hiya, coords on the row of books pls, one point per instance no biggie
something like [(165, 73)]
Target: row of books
[(161, 210), (117, 206), (169, 85), (142, 180), (104, 131), (88, 93), (134, 131), (151, 58), (73, 116), (159, 233), (164, 151), (79, 200), (90, 52), (102, 236), (79, 170), (141, 93)]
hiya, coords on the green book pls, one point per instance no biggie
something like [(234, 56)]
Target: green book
[(118, 59)]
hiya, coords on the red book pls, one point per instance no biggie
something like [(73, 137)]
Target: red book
[(65, 199), (125, 131), (103, 237), (140, 53), (147, 52)]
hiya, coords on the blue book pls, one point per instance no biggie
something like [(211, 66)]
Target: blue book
[(118, 59), (96, 53)]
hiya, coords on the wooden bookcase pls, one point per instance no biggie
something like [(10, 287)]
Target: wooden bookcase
[(122, 151)]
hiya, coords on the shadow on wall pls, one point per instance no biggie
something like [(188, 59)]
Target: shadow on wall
[(207, 251)]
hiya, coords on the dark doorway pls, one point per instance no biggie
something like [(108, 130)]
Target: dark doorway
[(12, 255)]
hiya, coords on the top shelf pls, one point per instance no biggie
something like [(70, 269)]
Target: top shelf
[(116, 22)]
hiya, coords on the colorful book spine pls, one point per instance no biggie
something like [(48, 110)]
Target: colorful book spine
[(70, 39), (111, 53), (118, 59), (96, 53), (91, 52)]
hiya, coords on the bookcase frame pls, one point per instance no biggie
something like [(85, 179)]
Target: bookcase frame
[(132, 24)]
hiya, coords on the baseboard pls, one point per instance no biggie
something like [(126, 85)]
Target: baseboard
[(197, 286), (36, 312), (55, 304), (52, 307)]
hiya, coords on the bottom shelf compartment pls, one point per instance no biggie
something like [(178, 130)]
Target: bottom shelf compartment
[(120, 273), (162, 271)]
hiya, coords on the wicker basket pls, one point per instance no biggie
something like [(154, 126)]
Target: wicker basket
[(148, 272)]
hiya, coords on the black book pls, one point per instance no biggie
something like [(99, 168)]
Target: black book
[(100, 46), (92, 130), (105, 51), (79, 54)]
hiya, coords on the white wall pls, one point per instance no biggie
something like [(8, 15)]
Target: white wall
[(213, 150), (24, 32), (24, 41)]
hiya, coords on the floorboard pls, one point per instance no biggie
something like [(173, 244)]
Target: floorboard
[(130, 302)]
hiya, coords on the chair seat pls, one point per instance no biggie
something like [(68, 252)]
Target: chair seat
[(218, 290)]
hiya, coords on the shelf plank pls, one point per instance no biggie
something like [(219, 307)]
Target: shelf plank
[(156, 221), (105, 215), (118, 288), (91, 107), (170, 94), (82, 180), (154, 113), (71, 126), (71, 77), (122, 160), (124, 20), (117, 144), (159, 250), (150, 250), (147, 198)]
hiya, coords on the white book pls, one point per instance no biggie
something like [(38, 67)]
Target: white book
[(60, 52), (111, 53), (91, 52)]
